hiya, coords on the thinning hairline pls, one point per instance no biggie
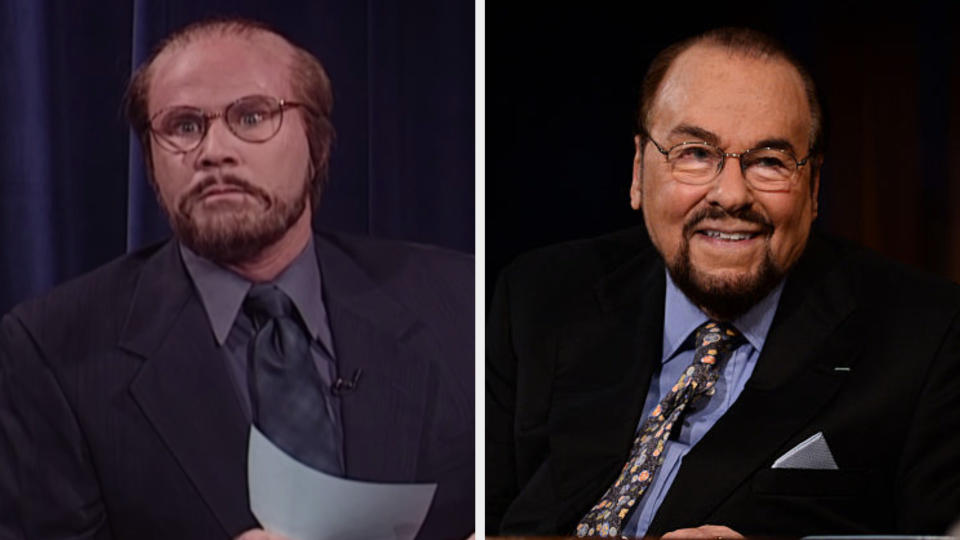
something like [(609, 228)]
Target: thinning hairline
[(221, 31), (746, 52)]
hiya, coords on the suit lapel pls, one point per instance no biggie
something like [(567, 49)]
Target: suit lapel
[(373, 332), (185, 390), (793, 380), (604, 364)]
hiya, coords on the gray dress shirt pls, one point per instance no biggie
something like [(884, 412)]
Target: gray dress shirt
[(222, 293)]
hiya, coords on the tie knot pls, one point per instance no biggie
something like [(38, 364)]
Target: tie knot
[(717, 335), (267, 302)]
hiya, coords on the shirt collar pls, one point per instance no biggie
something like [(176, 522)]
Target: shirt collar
[(222, 292), (681, 317)]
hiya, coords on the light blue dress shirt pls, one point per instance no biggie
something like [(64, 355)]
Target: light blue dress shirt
[(680, 319)]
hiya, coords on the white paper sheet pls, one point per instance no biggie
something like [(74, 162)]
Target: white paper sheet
[(302, 503)]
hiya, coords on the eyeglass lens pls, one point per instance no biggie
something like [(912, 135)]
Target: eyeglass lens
[(763, 167), (252, 119)]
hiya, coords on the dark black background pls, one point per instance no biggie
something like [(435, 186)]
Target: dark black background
[(562, 82)]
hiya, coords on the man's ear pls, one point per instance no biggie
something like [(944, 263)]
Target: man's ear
[(636, 186), (815, 187)]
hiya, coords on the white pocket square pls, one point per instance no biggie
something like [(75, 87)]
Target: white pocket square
[(812, 453)]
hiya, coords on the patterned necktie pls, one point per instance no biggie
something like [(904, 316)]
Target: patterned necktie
[(714, 343), (287, 395)]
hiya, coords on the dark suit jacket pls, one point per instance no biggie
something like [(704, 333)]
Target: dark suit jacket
[(861, 349), (118, 418)]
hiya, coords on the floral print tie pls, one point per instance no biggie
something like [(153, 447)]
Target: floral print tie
[(714, 343)]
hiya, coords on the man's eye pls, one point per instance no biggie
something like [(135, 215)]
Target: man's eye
[(769, 162), (252, 118), (694, 153), (183, 125), (188, 127), (249, 117)]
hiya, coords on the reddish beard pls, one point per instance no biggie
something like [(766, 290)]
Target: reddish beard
[(232, 232)]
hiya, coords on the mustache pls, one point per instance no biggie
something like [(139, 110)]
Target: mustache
[(193, 196), (715, 212)]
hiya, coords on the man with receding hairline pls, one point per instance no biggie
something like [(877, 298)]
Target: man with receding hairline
[(127, 395), (722, 370)]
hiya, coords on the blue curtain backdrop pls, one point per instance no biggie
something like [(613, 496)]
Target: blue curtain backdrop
[(72, 188)]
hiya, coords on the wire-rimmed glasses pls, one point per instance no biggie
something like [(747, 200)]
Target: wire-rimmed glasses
[(253, 119), (765, 168)]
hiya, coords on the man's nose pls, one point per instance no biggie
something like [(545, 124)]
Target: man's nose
[(730, 190), (218, 147)]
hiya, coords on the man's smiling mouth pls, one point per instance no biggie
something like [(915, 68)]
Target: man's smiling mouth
[(728, 236)]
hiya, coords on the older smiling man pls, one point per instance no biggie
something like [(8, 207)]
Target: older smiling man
[(722, 370)]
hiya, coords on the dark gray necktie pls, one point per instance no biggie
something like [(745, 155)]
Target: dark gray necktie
[(287, 395)]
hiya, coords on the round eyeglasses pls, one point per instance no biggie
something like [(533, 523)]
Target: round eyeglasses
[(253, 119), (765, 169)]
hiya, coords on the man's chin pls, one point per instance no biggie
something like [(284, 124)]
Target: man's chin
[(724, 278), (230, 237), (215, 207), (725, 293)]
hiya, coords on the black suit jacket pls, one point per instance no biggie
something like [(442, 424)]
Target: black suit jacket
[(861, 349), (118, 418)]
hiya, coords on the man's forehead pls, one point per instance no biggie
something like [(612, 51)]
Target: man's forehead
[(732, 92), (215, 69)]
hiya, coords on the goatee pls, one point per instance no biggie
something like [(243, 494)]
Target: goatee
[(232, 232), (725, 299)]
